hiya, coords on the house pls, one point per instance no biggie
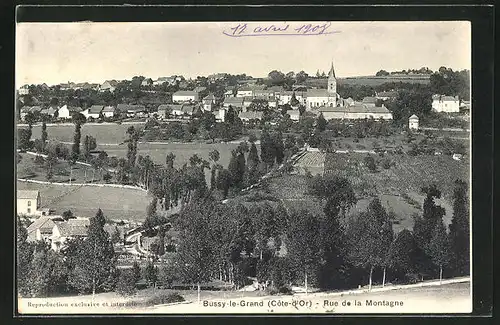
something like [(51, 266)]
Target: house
[(285, 97), (24, 90), (163, 111), (229, 93), (66, 112), (447, 104), (28, 202), (176, 109), (209, 103), (95, 111), (413, 122), (163, 80), (109, 111), (355, 112), (319, 97), (457, 156), (247, 100), (49, 111), (249, 116), (85, 113), (386, 95), (29, 109), (263, 93), (185, 96), (370, 101), (108, 85), (236, 102), (221, 115), (245, 92), (272, 102), (65, 230), (136, 111), (465, 107), (147, 82), (41, 228), (294, 114)]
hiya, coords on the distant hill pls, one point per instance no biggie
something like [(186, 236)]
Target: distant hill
[(371, 80)]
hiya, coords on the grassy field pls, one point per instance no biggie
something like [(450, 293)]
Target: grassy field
[(369, 80), (116, 203), (29, 169), (104, 133)]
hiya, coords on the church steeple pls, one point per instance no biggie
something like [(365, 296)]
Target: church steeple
[(332, 72)]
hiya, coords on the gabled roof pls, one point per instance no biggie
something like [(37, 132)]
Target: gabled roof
[(28, 194), (189, 109), (73, 227), (233, 100), (44, 223), (109, 109), (176, 107), (413, 117), (317, 93), (369, 100), (96, 109), (185, 93), (48, 111)]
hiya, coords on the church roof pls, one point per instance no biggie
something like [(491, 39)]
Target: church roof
[(332, 72)]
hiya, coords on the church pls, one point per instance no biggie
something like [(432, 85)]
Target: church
[(329, 103)]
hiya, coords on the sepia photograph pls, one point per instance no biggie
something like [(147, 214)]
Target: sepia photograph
[(260, 167)]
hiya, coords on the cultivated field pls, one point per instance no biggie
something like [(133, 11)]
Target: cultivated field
[(116, 203)]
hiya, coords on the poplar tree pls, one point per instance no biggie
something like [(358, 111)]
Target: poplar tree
[(459, 230), (95, 264), (438, 248), (44, 136)]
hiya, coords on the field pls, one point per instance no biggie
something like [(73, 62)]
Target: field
[(104, 133), (370, 80), (116, 203), (27, 168)]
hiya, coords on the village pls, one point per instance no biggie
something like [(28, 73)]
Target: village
[(155, 148)]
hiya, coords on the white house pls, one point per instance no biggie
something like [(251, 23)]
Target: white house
[(221, 115), (146, 82), (447, 104), (294, 114), (62, 231), (41, 229), (386, 95), (95, 111), (355, 112), (28, 202), (244, 92), (185, 96), (248, 116), (413, 122), (66, 112), (24, 90), (209, 102), (108, 85), (109, 111)]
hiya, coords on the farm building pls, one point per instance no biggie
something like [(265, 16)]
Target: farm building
[(248, 116), (95, 111), (66, 112), (355, 112), (413, 122), (447, 104), (65, 230), (28, 202), (209, 102), (41, 228), (109, 111)]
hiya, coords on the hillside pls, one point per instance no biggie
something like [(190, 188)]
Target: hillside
[(371, 80)]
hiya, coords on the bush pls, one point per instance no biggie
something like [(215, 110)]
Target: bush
[(386, 163), (39, 160), (161, 299), (126, 283), (107, 177), (370, 163), (283, 290)]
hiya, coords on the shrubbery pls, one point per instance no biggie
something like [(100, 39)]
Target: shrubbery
[(164, 298)]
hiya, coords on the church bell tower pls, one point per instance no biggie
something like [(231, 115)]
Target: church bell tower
[(332, 87)]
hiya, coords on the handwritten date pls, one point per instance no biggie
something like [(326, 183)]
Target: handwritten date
[(245, 30)]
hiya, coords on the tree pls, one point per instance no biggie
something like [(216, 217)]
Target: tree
[(126, 283), (459, 230), (24, 254), (432, 214), (224, 182), (276, 77), (402, 257), (78, 119), (214, 157), (116, 236), (370, 238), (382, 73), (151, 274), (89, 144), (50, 162), (24, 139), (253, 164), (136, 271), (304, 245), (370, 163), (44, 135), (267, 149), (301, 77), (152, 219), (95, 263), (438, 248), (67, 215), (195, 252), (321, 123)]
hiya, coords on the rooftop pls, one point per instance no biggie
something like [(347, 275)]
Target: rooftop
[(27, 194)]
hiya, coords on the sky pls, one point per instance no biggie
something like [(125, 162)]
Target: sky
[(94, 52)]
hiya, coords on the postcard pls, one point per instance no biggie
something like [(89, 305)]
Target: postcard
[(259, 167)]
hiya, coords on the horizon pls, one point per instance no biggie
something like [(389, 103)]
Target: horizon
[(82, 52)]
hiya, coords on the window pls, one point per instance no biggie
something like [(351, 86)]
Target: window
[(29, 203), (29, 210)]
